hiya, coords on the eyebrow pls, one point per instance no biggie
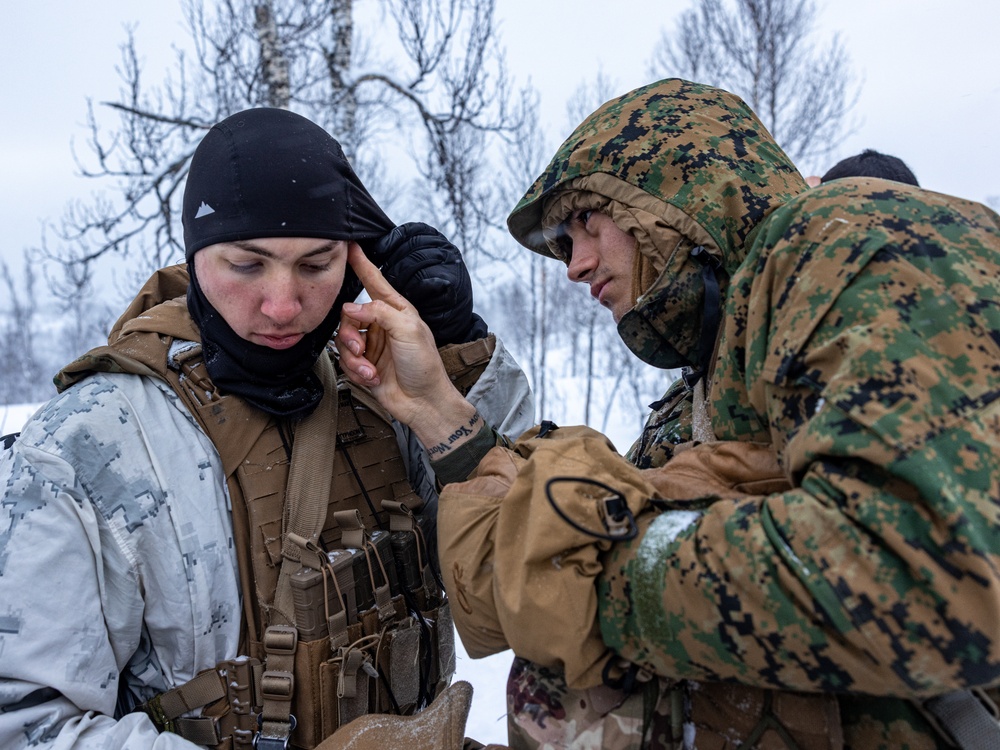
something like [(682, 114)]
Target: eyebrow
[(250, 247)]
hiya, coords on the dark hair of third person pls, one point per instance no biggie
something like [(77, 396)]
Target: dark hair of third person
[(871, 163)]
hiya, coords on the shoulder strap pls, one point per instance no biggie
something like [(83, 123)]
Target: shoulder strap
[(968, 718), (308, 490), (307, 495)]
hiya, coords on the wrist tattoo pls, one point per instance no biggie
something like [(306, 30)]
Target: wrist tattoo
[(436, 451)]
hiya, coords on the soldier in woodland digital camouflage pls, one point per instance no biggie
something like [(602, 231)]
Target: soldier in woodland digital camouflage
[(803, 548)]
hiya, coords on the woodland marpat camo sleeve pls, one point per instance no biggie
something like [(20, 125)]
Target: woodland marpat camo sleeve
[(862, 339)]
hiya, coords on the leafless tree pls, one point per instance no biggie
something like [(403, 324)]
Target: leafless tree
[(765, 52), (22, 375), (86, 317), (439, 81), (520, 295)]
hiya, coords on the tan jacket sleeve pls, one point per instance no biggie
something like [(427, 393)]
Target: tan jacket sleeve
[(517, 571), (522, 576)]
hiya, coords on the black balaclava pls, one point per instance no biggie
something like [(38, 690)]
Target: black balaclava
[(272, 173)]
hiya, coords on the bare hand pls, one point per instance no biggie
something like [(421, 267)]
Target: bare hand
[(385, 346)]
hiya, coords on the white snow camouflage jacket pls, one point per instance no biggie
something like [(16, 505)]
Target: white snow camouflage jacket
[(117, 561)]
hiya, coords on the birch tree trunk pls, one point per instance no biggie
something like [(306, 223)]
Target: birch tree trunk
[(339, 62), (272, 59)]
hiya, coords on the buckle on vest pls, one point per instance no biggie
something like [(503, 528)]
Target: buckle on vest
[(154, 709), (275, 736), (281, 639), (276, 685), (276, 721)]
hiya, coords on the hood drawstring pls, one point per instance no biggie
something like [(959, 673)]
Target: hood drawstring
[(711, 313)]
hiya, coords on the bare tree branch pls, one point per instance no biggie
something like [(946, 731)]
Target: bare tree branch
[(444, 89)]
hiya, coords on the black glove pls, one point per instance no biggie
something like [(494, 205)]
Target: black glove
[(423, 266)]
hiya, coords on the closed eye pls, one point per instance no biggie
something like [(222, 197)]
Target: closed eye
[(316, 267), (244, 268)]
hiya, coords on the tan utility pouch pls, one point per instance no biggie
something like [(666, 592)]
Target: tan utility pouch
[(516, 570), (399, 662), (315, 702), (442, 642), (346, 680), (377, 673), (378, 663)]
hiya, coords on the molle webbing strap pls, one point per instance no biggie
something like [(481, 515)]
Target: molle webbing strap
[(277, 685), (969, 718), (352, 527), (236, 680), (355, 536), (165, 708), (306, 498), (308, 487), (400, 517)]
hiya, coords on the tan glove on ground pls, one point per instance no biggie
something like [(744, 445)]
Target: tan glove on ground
[(441, 726)]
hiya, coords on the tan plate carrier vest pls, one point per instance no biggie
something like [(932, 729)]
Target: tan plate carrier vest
[(394, 656), (324, 642)]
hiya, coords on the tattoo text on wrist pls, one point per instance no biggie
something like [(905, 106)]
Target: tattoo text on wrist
[(436, 451)]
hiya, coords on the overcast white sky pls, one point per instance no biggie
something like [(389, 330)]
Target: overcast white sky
[(931, 81)]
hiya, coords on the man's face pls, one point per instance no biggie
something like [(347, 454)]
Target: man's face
[(272, 291), (603, 256)]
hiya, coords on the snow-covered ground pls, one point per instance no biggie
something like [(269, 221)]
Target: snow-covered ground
[(12, 416), (488, 677)]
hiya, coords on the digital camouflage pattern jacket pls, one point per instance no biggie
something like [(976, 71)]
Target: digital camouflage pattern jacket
[(860, 337)]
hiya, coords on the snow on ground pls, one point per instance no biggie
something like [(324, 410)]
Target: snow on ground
[(488, 677)]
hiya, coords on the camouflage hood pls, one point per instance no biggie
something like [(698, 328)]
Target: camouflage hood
[(671, 157)]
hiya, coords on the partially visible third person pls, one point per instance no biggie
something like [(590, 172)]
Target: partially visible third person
[(869, 163)]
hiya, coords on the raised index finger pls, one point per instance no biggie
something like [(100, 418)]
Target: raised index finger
[(372, 279)]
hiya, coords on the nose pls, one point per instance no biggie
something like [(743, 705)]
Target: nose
[(583, 261), (282, 300)]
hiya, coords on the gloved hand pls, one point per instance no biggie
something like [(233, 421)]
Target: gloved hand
[(423, 266)]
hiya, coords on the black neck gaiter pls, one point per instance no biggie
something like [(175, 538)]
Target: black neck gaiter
[(279, 382), (268, 172)]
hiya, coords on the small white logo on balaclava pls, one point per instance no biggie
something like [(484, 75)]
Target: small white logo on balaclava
[(204, 210)]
